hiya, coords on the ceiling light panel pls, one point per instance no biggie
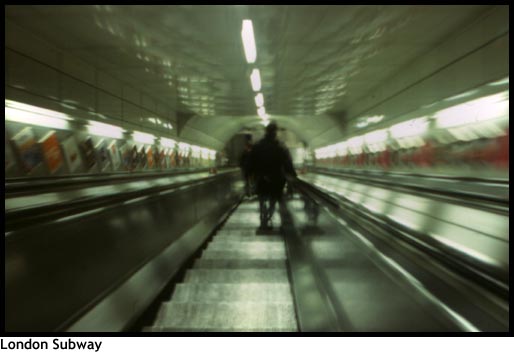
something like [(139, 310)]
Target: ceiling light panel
[(255, 78), (249, 41)]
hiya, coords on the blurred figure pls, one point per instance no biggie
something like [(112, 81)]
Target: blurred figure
[(244, 163), (270, 162)]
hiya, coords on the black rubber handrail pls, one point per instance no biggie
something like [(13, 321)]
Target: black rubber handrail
[(24, 217), (496, 279), (422, 190), (479, 180), (18, 187)]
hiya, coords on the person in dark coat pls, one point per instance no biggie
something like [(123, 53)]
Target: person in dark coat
[(270, 163)]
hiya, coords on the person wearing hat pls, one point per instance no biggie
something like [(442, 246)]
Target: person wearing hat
[(270, 162)]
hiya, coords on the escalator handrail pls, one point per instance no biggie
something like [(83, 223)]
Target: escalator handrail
[(18, 187), (495, 277), (23, 217), (479, 180), (426, 191)]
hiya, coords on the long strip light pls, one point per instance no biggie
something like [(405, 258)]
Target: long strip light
[(261, 112), (21, 116), (413, 127), (106, 130), (249, 41), (259, 100), (168, 143), (485, 108), (255, 78), (143, 138), (36, 110)]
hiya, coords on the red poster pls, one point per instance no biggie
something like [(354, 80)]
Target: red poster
[(149, 158), (52, 151)]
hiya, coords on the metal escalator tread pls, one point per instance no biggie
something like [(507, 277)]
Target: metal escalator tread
[(238, 316), (239, 284)]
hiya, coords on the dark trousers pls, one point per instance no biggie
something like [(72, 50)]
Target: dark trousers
[(269, 191), (267, 205)]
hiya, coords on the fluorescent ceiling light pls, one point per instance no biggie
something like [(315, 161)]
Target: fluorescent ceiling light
[(409, 128), (500, 82), (249, 41), (255, 78), (375, 119), (462, 95), (106, 130), (169, 143), (261, 111), (485, 108), (375, 137), (37, 110), (259, 100), (21, 116), (184, 146), (143, 138)]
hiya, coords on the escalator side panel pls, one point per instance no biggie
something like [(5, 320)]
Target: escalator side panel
[(57, 271)]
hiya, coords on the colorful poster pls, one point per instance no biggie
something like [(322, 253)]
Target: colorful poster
[(174, 157), (142, 157), (126, 157), (114, 155), (71, 154), (149, 158), (102, 155), (162, 159), (28, 151), (135, 158), (52, 151), (88, 150), (167, 157), (157, 157), (10, 160)]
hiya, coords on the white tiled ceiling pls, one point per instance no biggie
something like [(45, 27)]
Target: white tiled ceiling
[(314, 60)]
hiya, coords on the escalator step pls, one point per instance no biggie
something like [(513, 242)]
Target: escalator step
[(241, 254), (225, 316), (240, 264), (276, 246), (250, 292), (236, 276), (246, 238)]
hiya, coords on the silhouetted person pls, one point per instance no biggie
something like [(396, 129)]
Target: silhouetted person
[(244, 163), (270, 162)]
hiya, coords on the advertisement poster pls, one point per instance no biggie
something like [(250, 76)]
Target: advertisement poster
[(71, 154), (88, 151), (167, 158), (174, 157), (52, 151), (28, 150), (149, 158), (157, 157), (142, 157), (10, 160), (162, 159), (114, 155), (135, 158), (102, 155), (126, 157)]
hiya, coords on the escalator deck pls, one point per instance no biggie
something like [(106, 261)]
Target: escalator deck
[(240, 283)]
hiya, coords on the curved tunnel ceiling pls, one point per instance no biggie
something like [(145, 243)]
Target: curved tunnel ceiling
[(314, 60)]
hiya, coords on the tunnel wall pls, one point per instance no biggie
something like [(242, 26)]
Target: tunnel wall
[(40, 74), (58, 272), (470, 57)]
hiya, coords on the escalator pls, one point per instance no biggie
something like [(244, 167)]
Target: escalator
[(240, 283)]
